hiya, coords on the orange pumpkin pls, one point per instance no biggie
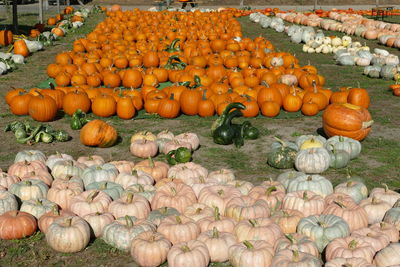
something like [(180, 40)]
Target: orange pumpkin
[(125, 108), (104, 105), (168, 107), (76, 100), (359, 97), (42, 108), (347, 120), (98, 133), (20, 48), (270, 109)]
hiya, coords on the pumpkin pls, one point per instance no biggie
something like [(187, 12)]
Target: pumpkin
[(358, 97), (39, 174), (13, 92), (23, 168), (356, 189), (315, 183), (62, 191), (97, 221), (104, 105), (338, 158), (258, 229), (132, 79), (89, 202), (123, 166), (65, 169), (125, 108), (385, 194), (392, 216), (285, 177), (198, 211), (245, 208), (310, 141), (375, 209), (309, 109), (49, 217), (307, 202), (75, 100), (355, 216), (218, 196), (388, 256), (156, 216), (122, 231), (37, 207), (69, 234), (16, 224), (282, 157), (270, 194), (144, 148), (223, 224), (6, 179), (188, 172), (349, 247), (98, 133), (297, 242), (20, 48), (99, 173), (347, 120), (222, 176), (91, 160), (146, 191), (287, 220), (387, 229), (270, 109), (179, 228), (19, 104), (178, 196), (168, 107), (323, 229), (351, 146), (190, 138), (112, 189), (354, 262), (7, 202), (218, 244), (251, 253), (375, 238), (312, 160), (150, 248), (6, 37), (134, 177), (29, 189), (130, 204), (189, 101), (157, 169), (193, 253), (288, 257), (143, 135)]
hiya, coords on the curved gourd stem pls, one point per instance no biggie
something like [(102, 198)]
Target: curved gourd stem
[(248, 244), (92, 195), (215, 233)]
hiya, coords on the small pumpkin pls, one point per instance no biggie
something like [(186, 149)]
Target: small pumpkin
[(312, 160), (98, 133), (16, 224), (42, 108), (282, 157), (150, 248)]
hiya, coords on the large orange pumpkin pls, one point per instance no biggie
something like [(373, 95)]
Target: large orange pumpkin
[(98, 133), (42, 108), (347, 120)]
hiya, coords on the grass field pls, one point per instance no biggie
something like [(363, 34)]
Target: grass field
[(378, 162)]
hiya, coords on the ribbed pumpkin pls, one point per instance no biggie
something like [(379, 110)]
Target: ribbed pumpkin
[(132, 79), (104, 105), (347, 120), (20, 48), (19, 103), (168, 107), (98, 133), (42, 108), (76, 100), (189, 101), (125, 108)]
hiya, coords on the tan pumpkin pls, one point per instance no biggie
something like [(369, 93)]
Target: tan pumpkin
[(385, 194), (178, 196), (97, 221), (143, 148), (354, 215), (48, 218), (349, 247), (198, 211), (307, 202), (222, 224), (270, 194), (288, 257), (218, 244), (287, 220), (297, 242), (130, 204), (375, 238), (375, 209), (157, 169), (218, 196), (251, 253), (193, 253), (150, 248), (245, 208), (387, 229), (89, 202), (179, 228), (258, 229)]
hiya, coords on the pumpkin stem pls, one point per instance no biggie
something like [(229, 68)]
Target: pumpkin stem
[(305, 195), (385, 186), (283, 143), (220, 192), (217, 215), (248, 244), (151, 162), (55, 210), (309, 178), (340, 204), (367, 124), (163, 210), (68, 221), (173, 190), (39, 202), (178, 219), (103, 186), (215, 233), (140, 188), (128, 221), (129, 198), (253, 222), (185, 249), (92, 195), (28, 183), (296, 255), (172, 96), (353, 244), (270, 190), (134, 172), (290, 238)]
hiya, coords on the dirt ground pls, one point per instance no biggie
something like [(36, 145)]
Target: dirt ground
[(378, 161)]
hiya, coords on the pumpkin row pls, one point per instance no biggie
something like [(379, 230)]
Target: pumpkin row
[(298, 214)]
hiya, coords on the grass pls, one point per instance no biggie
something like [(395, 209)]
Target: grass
[(377, 163)]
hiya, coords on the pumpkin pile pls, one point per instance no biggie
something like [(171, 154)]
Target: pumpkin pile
[(117, 68), (186, 212), (313, 154)]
